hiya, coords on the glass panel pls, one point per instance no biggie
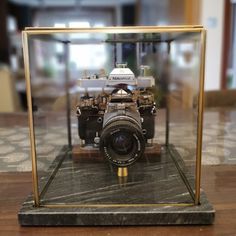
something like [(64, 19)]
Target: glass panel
[(49, 107), (183, 103), (119, 88)]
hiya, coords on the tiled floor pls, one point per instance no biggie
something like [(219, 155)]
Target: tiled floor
[(219, 142)]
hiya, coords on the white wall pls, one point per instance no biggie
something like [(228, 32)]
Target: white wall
[(212, 17)]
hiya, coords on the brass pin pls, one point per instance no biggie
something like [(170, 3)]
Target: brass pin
[(122, 171)]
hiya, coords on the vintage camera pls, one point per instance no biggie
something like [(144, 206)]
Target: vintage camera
[(120, 118)]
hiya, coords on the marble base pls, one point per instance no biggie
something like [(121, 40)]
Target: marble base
[(94, 195), (79, 216)]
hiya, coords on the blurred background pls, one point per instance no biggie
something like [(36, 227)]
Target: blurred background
[(217, 16)]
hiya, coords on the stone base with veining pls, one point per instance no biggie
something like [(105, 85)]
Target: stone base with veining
[(154, 193)]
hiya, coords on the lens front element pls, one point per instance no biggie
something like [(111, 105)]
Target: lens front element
[(122, 142)]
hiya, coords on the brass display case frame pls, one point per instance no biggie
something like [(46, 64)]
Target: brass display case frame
[(115, 30)]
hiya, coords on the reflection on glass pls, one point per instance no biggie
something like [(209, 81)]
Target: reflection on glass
[(132, 101)]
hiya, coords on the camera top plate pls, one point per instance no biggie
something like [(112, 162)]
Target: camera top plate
[(120, 75)]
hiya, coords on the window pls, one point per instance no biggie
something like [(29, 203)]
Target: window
[(85, 56)]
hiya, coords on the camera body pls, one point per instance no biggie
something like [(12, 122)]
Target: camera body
[(120, 118)]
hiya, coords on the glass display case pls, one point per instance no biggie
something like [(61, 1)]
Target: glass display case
[(115, 118)]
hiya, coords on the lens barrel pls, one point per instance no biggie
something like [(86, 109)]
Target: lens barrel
[(122, 141)]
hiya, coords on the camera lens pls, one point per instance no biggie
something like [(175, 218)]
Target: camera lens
[(122, 142)]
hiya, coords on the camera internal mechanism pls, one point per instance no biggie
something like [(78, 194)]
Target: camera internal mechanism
[(117, 114)]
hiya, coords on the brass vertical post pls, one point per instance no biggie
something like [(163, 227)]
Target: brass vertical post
[(200, 119), (30, 118)]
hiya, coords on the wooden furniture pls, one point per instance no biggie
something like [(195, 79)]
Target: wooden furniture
[(220, 98), (9, 100)]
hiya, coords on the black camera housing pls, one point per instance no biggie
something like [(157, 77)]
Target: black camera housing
[(120, 119), (90, 121), (107, 110)]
